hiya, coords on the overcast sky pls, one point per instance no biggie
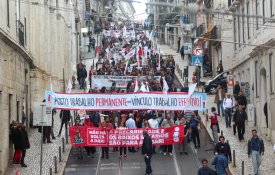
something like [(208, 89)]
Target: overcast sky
[(140, 9)]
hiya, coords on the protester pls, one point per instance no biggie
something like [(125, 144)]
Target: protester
[(205, 170), (228, 104), (147, 152), (153, 123), (195, 124), (187, 130), (105, 125), (255, 148), (65, 116), (220, 95), (122, 126), (167, 122), (185, 87), (223, 145), (214, 124), (131, 124), (221, 163), (239, 118)]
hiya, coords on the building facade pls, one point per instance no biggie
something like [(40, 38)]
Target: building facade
[(253, 60), (36, 52)]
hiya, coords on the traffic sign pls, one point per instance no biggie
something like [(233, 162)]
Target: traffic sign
[(198, 51), (197, 60)]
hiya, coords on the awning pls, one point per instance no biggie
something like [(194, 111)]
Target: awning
[(205, 36)]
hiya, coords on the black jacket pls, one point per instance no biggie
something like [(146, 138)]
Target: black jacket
[(261, 146), (147, 146), (18, 139), (242, 100), (239, 117), (227, 148), (65, 115)]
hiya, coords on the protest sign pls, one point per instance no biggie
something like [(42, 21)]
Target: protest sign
[(90, 136), (121, 81), (176, 101)]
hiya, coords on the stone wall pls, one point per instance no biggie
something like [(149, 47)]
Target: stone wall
[(14, 93)]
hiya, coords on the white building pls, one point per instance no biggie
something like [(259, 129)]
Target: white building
[(254, 58), (36, 45)]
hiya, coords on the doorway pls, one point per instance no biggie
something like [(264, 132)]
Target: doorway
[(263, 80)]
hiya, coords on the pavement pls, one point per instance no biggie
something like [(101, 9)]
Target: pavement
[(32, 159)]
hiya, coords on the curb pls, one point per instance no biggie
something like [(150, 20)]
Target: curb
[(63, 163)]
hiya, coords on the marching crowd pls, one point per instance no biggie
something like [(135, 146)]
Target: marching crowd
[(131, 53)]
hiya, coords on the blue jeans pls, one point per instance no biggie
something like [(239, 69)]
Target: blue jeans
[(228, 115), (219, 107), (256, 159), (148, 164)]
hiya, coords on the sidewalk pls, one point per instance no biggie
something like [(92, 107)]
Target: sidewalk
[(50, 150), (268, 165)]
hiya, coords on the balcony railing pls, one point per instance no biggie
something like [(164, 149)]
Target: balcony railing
[(21, 34)]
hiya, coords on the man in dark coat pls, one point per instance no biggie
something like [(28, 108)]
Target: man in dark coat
[(65, 116), (25, 145), (239, 118), (147, 151)]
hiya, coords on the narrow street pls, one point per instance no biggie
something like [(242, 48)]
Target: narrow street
[(134, 164)]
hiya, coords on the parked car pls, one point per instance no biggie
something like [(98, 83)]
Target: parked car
[(221, 79)]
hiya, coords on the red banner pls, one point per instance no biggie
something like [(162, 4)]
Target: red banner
[(90, 136)]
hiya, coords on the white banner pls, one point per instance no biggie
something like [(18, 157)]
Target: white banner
[(121, 81), (130, 101)]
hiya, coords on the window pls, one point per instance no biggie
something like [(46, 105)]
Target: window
[(256, 79), (235, 34), (263, 11), (25, 32), (8, 13), (10, 107), (239, 31), (270, 72), (271, 8), (257, 13), (247, 21), (243, 25)]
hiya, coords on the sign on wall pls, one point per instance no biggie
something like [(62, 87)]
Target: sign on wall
[(42, 113), (187, 48)]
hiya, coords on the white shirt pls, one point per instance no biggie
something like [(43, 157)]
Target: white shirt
[(228, 103), (153, 123)]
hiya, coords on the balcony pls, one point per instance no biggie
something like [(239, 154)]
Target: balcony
[(21, 34)]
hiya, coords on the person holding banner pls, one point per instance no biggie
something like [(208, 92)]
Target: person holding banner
[(122, 126), (167, 122), (131, 124), (147, 152), (105, 125)]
